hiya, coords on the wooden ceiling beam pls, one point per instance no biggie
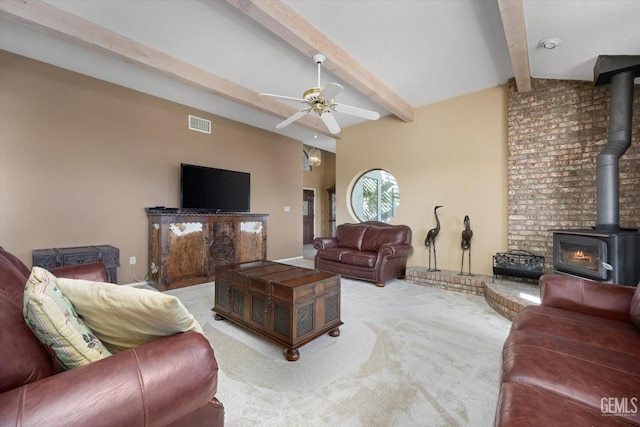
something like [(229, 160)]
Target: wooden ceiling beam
[(283, 21), (74, 29), (512, 13)]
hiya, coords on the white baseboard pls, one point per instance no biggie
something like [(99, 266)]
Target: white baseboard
[(135, 283), (287, 259)]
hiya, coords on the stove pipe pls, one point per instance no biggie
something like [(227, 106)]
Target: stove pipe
[(620, 71)]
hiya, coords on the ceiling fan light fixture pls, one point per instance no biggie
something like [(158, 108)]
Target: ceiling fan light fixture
[(315, 157), (320, 101), (312, 94)]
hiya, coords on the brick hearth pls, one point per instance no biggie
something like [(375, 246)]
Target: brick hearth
[(507, 297)]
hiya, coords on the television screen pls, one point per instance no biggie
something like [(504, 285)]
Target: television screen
[(210, 189)]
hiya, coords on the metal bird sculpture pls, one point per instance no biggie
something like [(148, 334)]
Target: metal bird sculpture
[(430, 240), (465, 244)]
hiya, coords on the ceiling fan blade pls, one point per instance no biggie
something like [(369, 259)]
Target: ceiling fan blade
[(293, 118), (355, 111), (330, 91), (330, 121), (290, 98)]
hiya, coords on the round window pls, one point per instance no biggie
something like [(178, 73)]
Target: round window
[(375, 196)]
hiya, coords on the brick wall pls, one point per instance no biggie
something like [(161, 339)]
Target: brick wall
[(556, 131)]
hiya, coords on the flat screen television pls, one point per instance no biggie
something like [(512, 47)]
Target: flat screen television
[(211, 189)]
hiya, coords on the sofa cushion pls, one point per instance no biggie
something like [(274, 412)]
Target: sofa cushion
[(334, 254), (351, 235), (626, 364), (376, 237), (574, 377), (361, 259), (522, 405), (634, 312), (13, 276), (24, 358), (586, 296), (591, 330), (53, 319), (125, 317)]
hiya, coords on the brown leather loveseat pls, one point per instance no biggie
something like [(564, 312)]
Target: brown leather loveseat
[(575, 359), (373, 251), (169, 382)]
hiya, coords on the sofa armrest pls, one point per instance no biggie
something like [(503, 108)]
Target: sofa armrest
[(586, 296), (151, 385), (395, 251), (321, 243), (93, 271)]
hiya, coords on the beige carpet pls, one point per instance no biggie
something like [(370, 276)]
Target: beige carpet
[(407, 355)]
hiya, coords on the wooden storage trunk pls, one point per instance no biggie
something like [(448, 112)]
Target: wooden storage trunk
[(60, 257), (285, 304)]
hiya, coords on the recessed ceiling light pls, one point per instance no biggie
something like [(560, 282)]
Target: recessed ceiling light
[(549, 43)]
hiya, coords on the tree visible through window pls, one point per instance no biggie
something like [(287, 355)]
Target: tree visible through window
[(375, 196)]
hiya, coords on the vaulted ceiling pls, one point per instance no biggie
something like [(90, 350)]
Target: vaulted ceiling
[(390, 55)]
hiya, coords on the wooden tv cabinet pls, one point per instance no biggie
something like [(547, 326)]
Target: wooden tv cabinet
[(185, 247), (287, 305)]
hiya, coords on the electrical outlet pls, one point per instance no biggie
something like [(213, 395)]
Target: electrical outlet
[(132, 260)]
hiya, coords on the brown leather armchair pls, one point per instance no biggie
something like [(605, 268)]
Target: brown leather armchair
[(372, 250), (169, 382)]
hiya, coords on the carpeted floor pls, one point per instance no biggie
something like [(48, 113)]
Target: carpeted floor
[(407, 355)]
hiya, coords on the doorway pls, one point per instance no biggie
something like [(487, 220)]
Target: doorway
[(308, 216)]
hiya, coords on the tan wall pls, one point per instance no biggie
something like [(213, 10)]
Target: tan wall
[(454, 154), (80, 159), (320, 178)]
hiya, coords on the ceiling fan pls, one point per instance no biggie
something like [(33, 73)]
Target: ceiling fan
[(320, 101)]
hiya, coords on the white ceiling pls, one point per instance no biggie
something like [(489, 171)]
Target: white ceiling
[(424, 50)]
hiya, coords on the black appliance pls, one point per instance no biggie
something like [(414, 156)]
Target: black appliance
[(208, 189), (607, 252), (604, 256)]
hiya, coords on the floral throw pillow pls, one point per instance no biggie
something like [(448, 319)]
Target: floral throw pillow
[(54, 320)]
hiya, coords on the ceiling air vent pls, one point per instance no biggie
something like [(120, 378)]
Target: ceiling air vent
[(199, 125)]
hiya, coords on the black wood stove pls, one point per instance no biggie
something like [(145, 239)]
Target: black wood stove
[(607, 252)]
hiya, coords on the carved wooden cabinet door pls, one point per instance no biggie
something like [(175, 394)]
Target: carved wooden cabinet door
[(185, 248), (186, 254)]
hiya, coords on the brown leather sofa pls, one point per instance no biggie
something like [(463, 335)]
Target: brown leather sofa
[(372, 251), (169, 382), (575, 359)]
